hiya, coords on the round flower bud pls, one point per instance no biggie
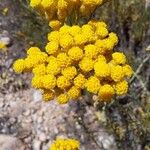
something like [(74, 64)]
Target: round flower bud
[(63, 82), (62, 99), (19, 66), (119, 58), (106, 92), (52, 47), (121, 87), (73, 93), (86, 64), (93, 84), (79, 81), (75, 53)]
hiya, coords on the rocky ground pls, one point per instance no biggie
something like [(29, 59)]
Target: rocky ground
[(27, 123)]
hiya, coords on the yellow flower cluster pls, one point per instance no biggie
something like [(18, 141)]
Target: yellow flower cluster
[(56, 10), (65, 144), (78, 58)]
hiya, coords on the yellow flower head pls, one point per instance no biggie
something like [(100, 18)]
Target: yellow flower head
[(106, 92), (62, 99), (79, 81), (69, 72), (47, 3), (102, 32), (53, 67), (48, 95), (63, 82), (33, 50), (55, 24), (54, 36), (101, 58), (19, 66), (39, 70), (73, 93), (113, 37), (66, 41), (93, 84), (86, 64), (63, 60), (52, 47), (121, 87), (119, 58), (101, 69), (92, 2), (91, 51), (127, 70), (49, 81), (80, 39), (63, 144), (75, 53), (35, 3), (117, 73), (37, 82)]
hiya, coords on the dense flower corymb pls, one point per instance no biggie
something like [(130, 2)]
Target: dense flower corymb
[(65, 144), (75, 59)]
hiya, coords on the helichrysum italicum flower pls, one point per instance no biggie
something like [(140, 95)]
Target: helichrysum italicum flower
[(49, 81), (55, 24), (127, 70), (77, 58), (48, 95), (69, 72), (52, 47), (73, 92), (63, 82), (62, 99), (106, 92), (65, 144), (101, 69), (86, 64), (121, 87), (119, 58), (19, 66), (79, 81), (117, 73), (62, 9), (75, 53), (93, 84)]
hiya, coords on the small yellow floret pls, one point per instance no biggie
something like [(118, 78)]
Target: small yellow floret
[(49, 81), (47, 3), (69, 72), (75, 53), (66, 41), (93, 84), (63, 60), (121, 87), (106, 92), (101, 69), (74, 93), (63, 82), (127, 70), (37, 82), (62, 99), (74, 30), (55, 24), (114, 38), (102, 32), (52, 47), (33, 50), (80, 39), (119, 58), (79, 81), (117, 73), (35, 3), (19, 66), (86, 64), (64, 30), (54, 36), (39, 70), (65, 144), (48, 95), (91, 51)]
